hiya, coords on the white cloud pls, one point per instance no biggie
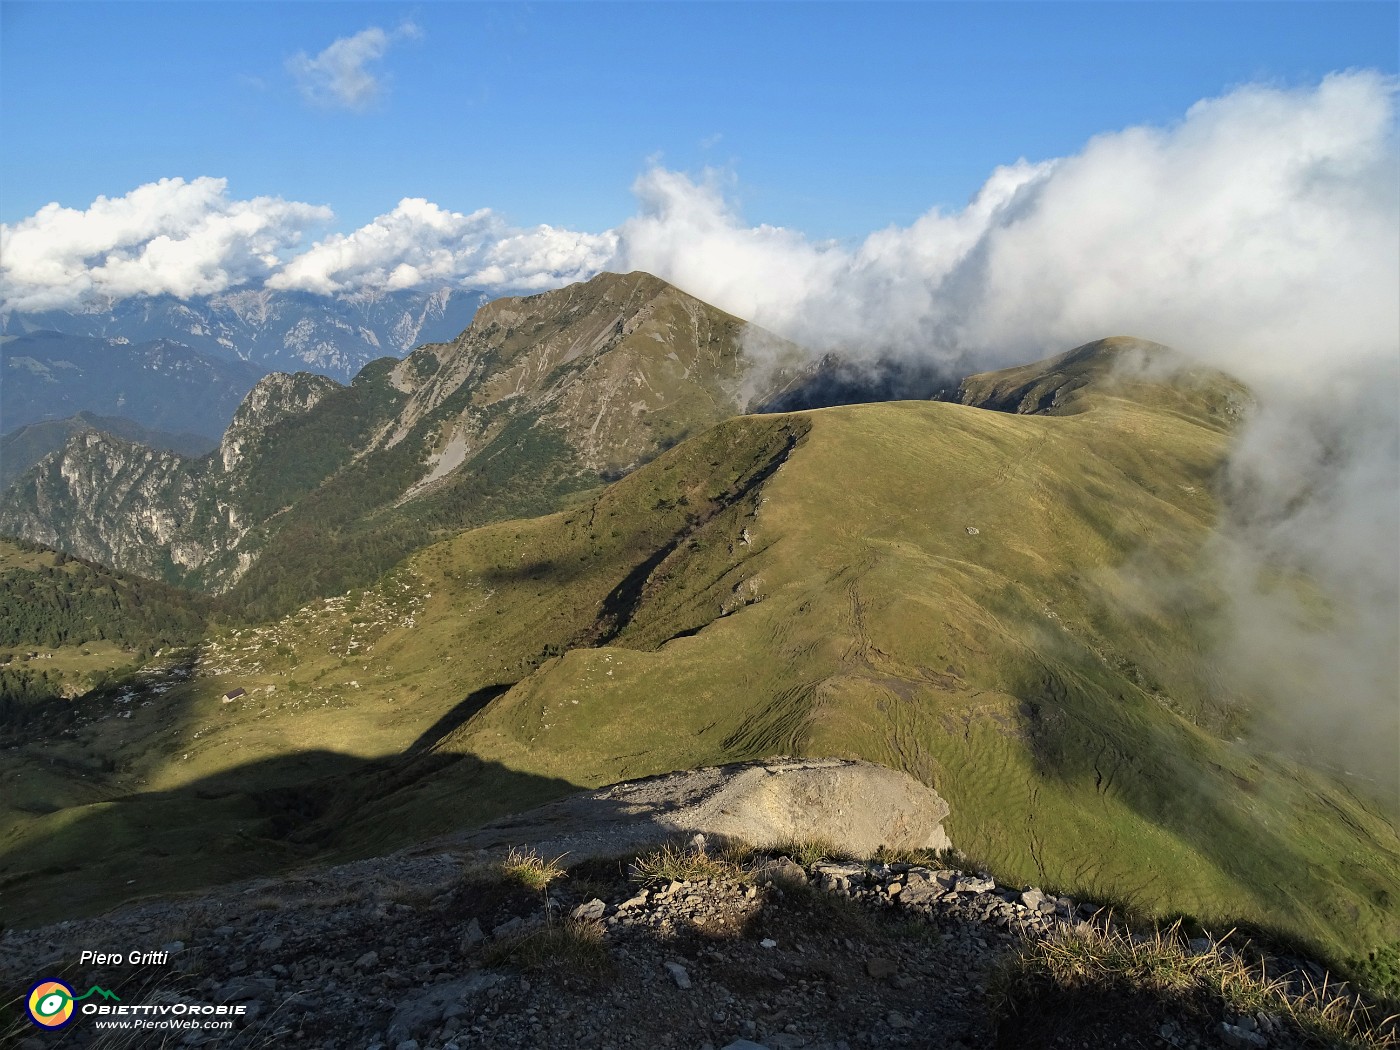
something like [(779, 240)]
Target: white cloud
[(189, 238), (421, 243), (338, 77), (168, 237), (1267, 215)]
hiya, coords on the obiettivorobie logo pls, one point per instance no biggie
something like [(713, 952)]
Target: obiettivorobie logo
[(51, 1002), (53, 1005)]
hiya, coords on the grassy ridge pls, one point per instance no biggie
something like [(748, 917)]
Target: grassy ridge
[(1044, 673)]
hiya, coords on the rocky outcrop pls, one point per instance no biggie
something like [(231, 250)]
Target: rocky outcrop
[(122, 504), (152, 512), (444, 947), (856, 807), (273, 398)]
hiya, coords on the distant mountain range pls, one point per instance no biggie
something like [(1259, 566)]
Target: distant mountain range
[(275, 331), (160, 385), (159, 370)]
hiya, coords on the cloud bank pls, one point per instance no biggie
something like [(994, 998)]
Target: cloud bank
[(170, 237), (339, 77), (1264, 219), (1308, 553), (190, 238), (419, 243)]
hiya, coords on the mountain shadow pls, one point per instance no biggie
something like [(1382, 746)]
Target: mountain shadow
[(256, 819)]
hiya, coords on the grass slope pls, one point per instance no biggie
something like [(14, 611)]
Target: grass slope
[(328, 751), (1001, 604)]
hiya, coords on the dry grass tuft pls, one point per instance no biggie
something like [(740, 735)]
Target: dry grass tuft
[(575, 946), (1094, 959), (532, 871), (675, 862)]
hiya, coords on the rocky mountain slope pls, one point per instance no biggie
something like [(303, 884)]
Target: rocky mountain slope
[(275, 331), (24, 447), (312, 485), (162, 385), (1014, 608)]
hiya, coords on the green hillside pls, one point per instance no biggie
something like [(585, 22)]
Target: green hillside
[(995, 601)]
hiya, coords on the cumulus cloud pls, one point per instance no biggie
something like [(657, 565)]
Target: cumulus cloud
[(420, 243), (168, 237), (339, 76), (190, 238)]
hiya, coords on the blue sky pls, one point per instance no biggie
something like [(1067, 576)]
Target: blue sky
[(835, 119)]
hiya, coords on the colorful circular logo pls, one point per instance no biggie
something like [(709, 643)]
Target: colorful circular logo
[(51, 1004)]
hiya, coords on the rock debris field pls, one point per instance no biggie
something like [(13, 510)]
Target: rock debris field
[(443, 950)]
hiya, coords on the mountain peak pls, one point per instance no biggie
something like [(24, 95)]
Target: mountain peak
[(618, 363), (1117, 366), (273, 397)]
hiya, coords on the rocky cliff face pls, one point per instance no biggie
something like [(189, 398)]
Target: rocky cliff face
[(274, 398), (157, 513), (25, 446), (539, 396), (122, 504)]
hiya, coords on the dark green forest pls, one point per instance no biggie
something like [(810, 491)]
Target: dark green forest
[(70, 602), (52, 601)]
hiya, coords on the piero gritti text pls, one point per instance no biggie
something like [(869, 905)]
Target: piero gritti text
[(135, 957)]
